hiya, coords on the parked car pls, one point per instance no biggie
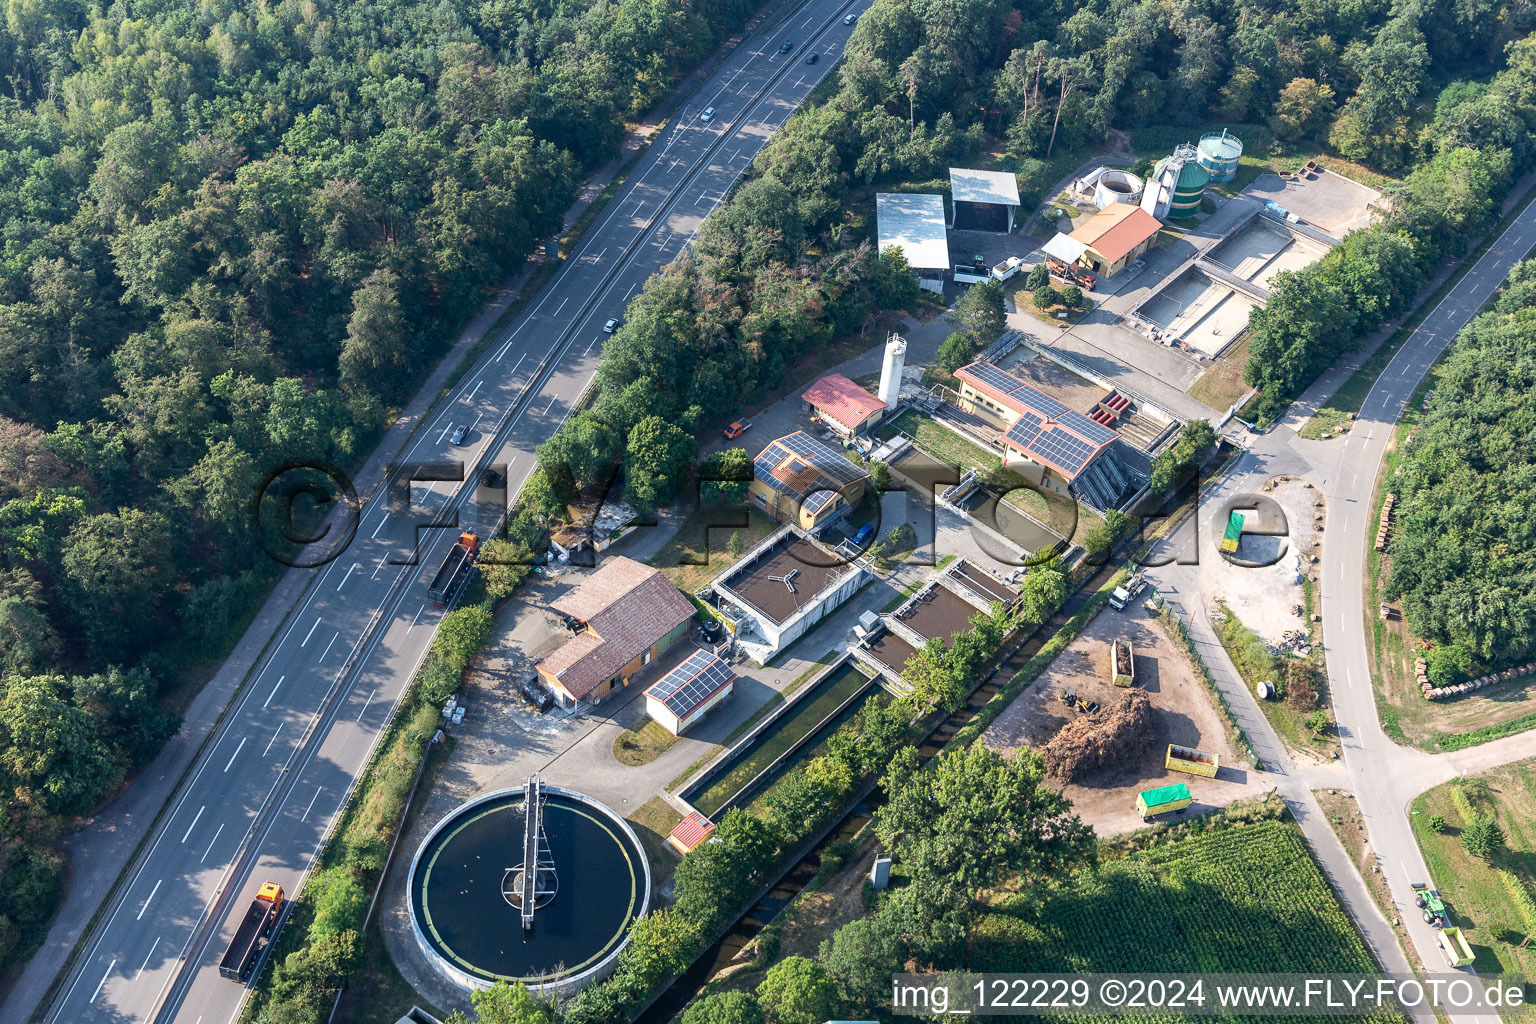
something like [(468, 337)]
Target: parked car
[(458, 434), (736, 429), (611, 326), (812, 58), (863, 535), (708, 114)]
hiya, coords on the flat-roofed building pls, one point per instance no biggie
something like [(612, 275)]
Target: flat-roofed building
[(781, 589), (843, 406), (914, 223), (797, 479), (686, 694), (1114, 237), (627, 613)]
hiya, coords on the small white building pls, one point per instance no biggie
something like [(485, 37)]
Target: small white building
[(690, 691), (780, 590), (915, 224)]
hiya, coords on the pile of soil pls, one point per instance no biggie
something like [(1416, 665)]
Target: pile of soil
[(1117, 733)]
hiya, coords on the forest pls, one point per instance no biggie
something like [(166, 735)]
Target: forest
[(1464, 548), (235, 234)]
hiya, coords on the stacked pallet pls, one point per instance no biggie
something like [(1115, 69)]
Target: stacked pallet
[(1386, 522), (1471, 685)]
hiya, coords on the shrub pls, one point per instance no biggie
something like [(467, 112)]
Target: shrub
[(1483, 837), (1044, 297), (1437, 823)]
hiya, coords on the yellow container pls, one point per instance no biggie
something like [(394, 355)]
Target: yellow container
[(1163, 800), (1192, 761)]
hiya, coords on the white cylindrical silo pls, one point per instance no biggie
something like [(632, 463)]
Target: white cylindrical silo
[(890, 371)]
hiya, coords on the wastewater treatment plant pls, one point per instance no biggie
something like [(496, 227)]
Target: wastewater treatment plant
[(534, 883)]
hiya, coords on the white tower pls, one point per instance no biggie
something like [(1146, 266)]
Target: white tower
[(890, 372)]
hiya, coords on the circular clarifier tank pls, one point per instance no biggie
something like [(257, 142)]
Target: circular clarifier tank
[(592, 883)]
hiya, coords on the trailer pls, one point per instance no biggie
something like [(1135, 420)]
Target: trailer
[(454, 572), (259, 919), (1163, 800), (1456, 948), (1192, 761), (1007, 269), (1122, 663), (1234, 533)]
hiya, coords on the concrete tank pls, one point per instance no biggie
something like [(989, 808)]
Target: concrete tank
[(1219, 155), (1116, 186), (890, 371), (1189, 180)]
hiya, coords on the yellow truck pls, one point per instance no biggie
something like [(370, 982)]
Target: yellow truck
[(1455, 946), (1122, 663), (1188, 759), (1162, 800)]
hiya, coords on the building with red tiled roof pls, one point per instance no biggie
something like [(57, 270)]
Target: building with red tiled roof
[(690, 833), (628, 614), (1115, 236), (844, 406)]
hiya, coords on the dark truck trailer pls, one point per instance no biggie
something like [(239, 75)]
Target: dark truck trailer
[(259, 918), (454, 571)]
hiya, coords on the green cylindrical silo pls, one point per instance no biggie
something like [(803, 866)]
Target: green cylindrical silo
[(1189, 187)]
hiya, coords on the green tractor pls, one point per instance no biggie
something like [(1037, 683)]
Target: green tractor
[(1428, 900)]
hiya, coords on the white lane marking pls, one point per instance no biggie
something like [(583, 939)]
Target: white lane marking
[(236, 753), (517, 364), (800, 81), (382, 520), (273, 740), (472, 426), (210, 844), (195, 819), (152, 947), (471, 396), (551, 404), (564, 301), (312, 803), (274, 691), (599, 257), (311, 633), (444, 433), (594, 341), (147, 901), (366, 703), (382, 560), (505, 348), (328, 646), (345, 578), (103, 980), (631, 291), (418, 615)]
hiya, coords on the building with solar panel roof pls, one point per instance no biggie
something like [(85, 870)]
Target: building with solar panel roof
[(799, 480), (1049, 443), (690, 691)]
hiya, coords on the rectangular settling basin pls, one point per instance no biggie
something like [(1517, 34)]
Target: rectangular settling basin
[(792, 727)]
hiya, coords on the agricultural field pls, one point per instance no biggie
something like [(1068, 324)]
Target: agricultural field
[(1237, 895), (1479, 900)]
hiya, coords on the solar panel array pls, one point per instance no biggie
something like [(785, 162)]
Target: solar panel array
[(691, 683), (1062, 436), (830, 464)]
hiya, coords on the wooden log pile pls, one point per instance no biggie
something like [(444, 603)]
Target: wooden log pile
[(1421, 670), (1385, 525)]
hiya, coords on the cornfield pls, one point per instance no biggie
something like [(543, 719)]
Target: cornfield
[(1237, 898)]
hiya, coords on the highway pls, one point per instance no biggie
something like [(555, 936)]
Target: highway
[(260, 802), (1384, 777)]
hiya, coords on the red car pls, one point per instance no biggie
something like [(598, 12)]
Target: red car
[(736, 429)]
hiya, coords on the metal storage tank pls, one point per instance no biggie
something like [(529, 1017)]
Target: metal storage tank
[(1116, 186), (1219, 154), (1189, 180)]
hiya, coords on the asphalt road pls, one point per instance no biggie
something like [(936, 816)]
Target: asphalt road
[(1385, 777), (259, 804)]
